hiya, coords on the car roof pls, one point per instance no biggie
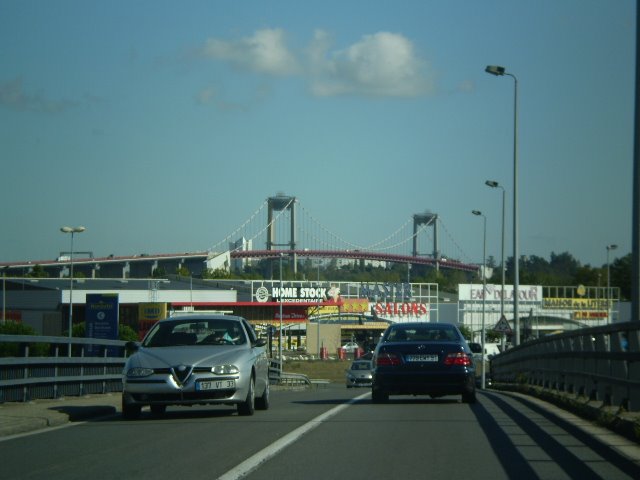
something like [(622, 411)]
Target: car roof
[(434, 325), (202, 316)]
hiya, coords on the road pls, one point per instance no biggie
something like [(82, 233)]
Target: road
[(324, 433)]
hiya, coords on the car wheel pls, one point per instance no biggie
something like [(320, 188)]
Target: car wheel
[(129, 411), (248, 406), (469, 397), (379, 396), (158, 410), (262, 402)]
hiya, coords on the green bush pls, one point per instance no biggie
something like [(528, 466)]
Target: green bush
[(16, 349), (125, 332)]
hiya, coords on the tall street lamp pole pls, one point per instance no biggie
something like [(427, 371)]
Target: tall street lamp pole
[(4, 295), (72, 231), (501, 71), (484, 289), (280, 296), (613, 246), (494, 184)]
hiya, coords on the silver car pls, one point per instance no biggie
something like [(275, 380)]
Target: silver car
[(196, 360), (359, 374)]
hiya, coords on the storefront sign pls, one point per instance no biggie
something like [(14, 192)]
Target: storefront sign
[(576, 303), (288, 294), (385, 291), (390, 310), (493, 293), (101, 317), (590, 315), (292, 314), (148, 315)]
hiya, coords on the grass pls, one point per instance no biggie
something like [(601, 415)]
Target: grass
[(333, 370)]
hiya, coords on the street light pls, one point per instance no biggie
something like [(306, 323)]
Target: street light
[(72, 231), (280, 297), (484, 287), (501, 71), (4, 295), (613, 246), (494, 184)]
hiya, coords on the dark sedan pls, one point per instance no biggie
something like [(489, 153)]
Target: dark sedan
[(423, 359)]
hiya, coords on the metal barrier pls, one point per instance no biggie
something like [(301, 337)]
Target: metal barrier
[(600, 363), (288, 379), (94, 366)]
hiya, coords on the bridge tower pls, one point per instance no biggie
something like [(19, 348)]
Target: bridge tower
[(279, 203), (427, 219)]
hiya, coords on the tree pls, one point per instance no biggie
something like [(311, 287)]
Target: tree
[(183, 271), (14, 349), (466, 332), (159, 272), (620, 271), (218, 273), (38, 272)]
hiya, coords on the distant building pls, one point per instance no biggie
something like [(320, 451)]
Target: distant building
[(240, 245)]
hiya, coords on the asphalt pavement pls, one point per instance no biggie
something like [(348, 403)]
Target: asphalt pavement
[(24, 417), (19, 417)]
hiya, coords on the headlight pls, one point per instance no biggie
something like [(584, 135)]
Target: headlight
[(224, 369), (139, 372)]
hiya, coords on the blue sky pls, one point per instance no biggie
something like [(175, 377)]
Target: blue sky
[(162, 126)]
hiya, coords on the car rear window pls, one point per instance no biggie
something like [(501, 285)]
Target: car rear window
[(361, 366), (414, 334)]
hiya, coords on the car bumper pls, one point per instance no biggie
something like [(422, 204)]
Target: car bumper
[(359, 382), (423, 383), (167, 392)]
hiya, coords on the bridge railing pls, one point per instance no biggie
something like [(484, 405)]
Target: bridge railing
[(94, 366), (600, 363)]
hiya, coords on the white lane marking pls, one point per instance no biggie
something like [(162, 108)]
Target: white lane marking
[(253, 462)]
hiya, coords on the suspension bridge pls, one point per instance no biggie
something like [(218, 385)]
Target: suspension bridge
[(292, 230), (280, 226)]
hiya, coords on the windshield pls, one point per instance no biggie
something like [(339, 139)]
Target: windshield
[(195, 332)]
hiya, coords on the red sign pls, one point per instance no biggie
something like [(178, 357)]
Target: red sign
[(401, 308)]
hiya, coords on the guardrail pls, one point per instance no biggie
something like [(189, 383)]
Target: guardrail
[(94, 366), (600, 363)]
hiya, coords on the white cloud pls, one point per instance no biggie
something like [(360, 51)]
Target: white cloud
[(264, 52), (383, 64)]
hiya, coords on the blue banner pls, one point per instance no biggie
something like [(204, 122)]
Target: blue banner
[(101, 318)]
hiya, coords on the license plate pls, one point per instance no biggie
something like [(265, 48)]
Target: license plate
[(215, 385), (422, 358)]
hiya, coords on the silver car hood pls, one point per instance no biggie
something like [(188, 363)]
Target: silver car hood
[(159, 357)]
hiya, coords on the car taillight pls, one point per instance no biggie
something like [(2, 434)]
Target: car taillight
[(387, 359), (459, 358)]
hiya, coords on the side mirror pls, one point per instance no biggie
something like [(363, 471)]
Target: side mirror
[(261, 342)]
